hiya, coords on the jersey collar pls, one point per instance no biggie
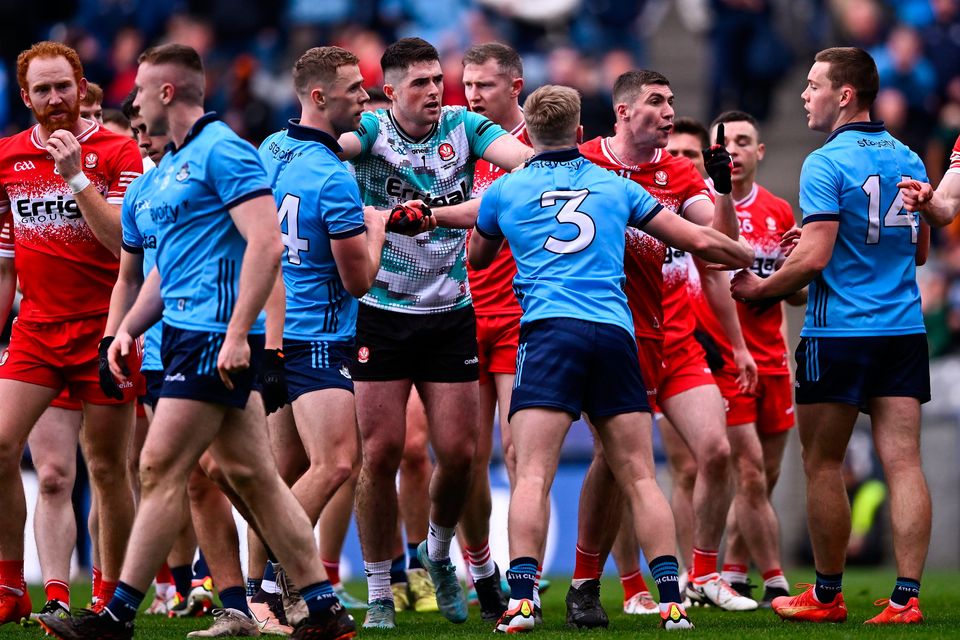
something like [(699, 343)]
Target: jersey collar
[(874, 126), (561, 155), (298, 131), (198, 126), (406, 136)]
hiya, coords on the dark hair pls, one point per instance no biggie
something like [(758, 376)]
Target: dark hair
[(320, 64), (126, 107), (116, 117), (692, 126), (736, 116), (94, 95), (405, 52), (190, 88), (854, 67), (377, 95), (507, 57), (631, 83)]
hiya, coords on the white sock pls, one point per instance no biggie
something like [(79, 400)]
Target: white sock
[(438, 542), (576, 583), (734, 576), (777, 582), (481, 564), (378, 580), (536, 589)]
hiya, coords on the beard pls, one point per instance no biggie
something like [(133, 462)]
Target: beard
[(47, 121)]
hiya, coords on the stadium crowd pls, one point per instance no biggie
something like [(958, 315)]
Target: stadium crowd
[(368, 323)]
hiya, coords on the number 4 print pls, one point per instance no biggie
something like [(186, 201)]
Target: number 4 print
[(290, 211)]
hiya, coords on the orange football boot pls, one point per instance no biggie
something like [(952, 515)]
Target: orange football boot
[(907, 614), (806, 608)]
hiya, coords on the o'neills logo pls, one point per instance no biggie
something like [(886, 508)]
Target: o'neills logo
[(660, 177), (363, 355)]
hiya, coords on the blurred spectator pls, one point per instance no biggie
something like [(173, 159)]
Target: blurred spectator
[(127, 47), (566, 66), (933, 303), (747, 55), (944, 134), (245, 112), (941, 40), (862, 23)]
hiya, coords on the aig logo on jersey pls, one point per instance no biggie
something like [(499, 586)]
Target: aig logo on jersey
[(90, 160), (184, 172), (660, 177), (446, 152)]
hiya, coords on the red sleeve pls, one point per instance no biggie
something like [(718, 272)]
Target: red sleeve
[(6, 233), (955, 158), (125, 167), (785, 213), (693, 188)]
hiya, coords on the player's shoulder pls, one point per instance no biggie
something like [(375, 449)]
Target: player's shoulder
[(592, 149), (770, 199), (19, 142)]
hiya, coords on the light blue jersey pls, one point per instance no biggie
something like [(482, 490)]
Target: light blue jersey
[(140, 236), (318, 201), (564, 218), (199, 249), (869, 287)]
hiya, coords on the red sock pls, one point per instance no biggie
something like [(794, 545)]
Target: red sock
[(587, 565), (164, 576), (97, 581), (632, 584), (106, 591), (333, 571), (704, 563), (11, 574), (57, 590), (773, 573), (536, 583)]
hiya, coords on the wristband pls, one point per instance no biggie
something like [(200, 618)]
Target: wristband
[(78, 182)]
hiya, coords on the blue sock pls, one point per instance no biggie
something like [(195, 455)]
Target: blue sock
[(319, 597), (200, 568), (269, 575), (412, 554), (521, 576), (253, 585), (665, 570), (905, 589), (828, 586), (181, 579), (234, 598), (126, 600), (398, 572)]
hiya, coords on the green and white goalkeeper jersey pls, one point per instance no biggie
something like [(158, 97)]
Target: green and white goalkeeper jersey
[(425, 273)]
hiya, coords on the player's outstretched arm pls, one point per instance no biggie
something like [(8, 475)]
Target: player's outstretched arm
[(704, 242), (507, 152), (458, 216), (938, 208), (806, 261)]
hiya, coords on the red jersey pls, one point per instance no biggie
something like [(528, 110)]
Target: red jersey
[(492, 288), (764, 218), (65, 273), (656, 275), (955, 158)]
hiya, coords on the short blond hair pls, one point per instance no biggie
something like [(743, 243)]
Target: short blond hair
[(320, 64), (552, 114)]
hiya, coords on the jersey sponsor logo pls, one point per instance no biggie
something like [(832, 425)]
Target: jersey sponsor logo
[(363, 355), (38, 210), (168, 213), (660, 177), (281, 154), (91, 160), (398, 188), (150, 242), (184, 172), (446, 151), (175, 377), (26, 165), (866, 142)]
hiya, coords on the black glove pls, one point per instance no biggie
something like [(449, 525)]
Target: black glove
[(718, 164), (107, 384), (407, 218), (273, 375)]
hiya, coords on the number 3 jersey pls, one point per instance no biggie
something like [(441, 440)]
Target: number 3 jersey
[(869, 287), (764, 218), (425, 273), (65, 272)]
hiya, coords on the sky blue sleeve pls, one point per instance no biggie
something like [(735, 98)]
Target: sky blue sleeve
[(131, 240), (480, 132), (236, 172), (820, 188), (487, 224), (367, 131), (341, 207), (643, 206)]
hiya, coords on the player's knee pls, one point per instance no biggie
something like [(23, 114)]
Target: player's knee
[(107, 473), (333, 472), (54, 482), (715, 460), (456, 459), (752, 482), (10, 454)]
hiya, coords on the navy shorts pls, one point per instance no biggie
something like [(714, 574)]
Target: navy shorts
[(316, 365), (154, 380), (190, 368), (576, 365), (852, 370)]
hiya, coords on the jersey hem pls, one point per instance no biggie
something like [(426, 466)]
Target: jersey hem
[(414, 311), (859, 333)]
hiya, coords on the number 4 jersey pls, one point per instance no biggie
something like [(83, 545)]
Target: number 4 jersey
[(869, 287)]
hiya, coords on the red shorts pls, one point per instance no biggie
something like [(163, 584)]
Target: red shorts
[(770, 407), (65, 401), (685, 367), (497, 341), (64, 355), (650, 354)]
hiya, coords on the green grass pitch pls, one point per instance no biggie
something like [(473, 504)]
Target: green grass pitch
[(940, 600)]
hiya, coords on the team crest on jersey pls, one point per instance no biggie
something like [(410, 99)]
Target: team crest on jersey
[(184, 172), (363, 355), (660, 177), (446, 151), (90, 160), (771, 224)]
